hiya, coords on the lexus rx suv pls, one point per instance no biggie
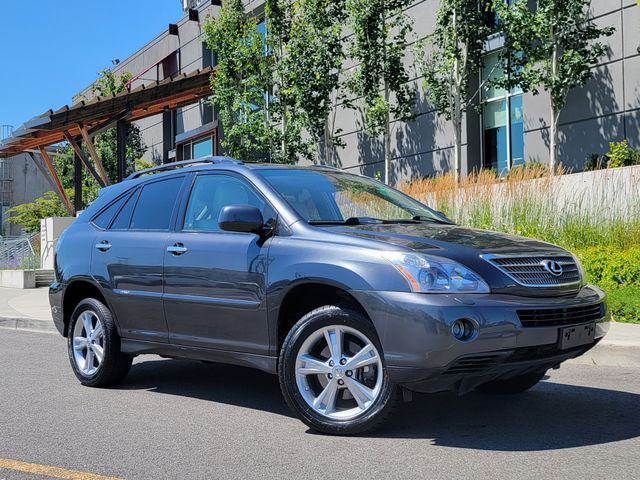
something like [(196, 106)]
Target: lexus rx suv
[(352, 293)]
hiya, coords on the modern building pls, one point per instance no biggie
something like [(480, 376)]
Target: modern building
[(510, 128), (20, 182)]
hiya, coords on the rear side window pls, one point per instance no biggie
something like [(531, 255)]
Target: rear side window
[(122, 219), (103, 219), (155, 205)]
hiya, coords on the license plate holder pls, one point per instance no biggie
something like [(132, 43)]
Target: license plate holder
[(577, 335)]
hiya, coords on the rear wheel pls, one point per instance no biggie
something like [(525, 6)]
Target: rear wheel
[(512, 385), (332, 372), (94, 345)]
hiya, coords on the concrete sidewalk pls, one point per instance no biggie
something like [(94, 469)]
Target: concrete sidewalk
[(29, 310)]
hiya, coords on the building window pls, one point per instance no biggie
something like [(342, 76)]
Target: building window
[(502, 121), (199, 147)]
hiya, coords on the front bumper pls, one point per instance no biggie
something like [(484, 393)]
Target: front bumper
[(422, 354)]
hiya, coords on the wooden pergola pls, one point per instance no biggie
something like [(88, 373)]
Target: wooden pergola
[(81, 122)]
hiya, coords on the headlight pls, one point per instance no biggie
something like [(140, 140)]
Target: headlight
[(428, 274)]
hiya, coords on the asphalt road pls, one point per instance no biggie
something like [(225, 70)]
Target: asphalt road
[(189, 420)]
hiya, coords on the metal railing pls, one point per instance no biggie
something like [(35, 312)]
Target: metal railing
[(20, 252), (5, 131)]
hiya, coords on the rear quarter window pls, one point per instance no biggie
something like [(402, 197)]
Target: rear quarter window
[(104, 218)]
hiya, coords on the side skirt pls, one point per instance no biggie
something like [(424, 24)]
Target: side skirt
[(140, 347)]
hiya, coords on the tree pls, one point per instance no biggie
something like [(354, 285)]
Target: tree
[(241, 81), (380, 30), (452, 61), (553, 48), (28, 215), (273, 90), (310, 67)]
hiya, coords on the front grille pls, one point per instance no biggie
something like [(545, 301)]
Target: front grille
[(531, 271), (548, 317)]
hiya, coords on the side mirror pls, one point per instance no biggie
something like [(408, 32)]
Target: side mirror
[(240, 218)]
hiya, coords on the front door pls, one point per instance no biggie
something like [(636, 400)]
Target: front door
[(128, 257), (214, 281)]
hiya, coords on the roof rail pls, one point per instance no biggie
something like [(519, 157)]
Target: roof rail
[(185, 163)]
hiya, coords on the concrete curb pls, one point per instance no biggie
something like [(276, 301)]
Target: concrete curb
[(620, 348), (28, 324)]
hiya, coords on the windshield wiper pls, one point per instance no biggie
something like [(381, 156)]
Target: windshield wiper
[(348, 221), (422, 218)]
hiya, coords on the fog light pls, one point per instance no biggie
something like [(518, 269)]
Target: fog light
[(463, 329)]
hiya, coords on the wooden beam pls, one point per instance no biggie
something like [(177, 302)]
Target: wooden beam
[(43, 171), (83, 158), (56, 179), (94, 155)]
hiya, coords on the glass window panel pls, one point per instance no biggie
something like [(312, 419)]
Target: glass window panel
[(517, 130), (492, 71), (203, 148), (186, 152), (495, 136), (155, 205), (210, 194), (122, 219), (103, 220)]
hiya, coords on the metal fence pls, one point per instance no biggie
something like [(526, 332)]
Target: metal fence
[(20, 252)]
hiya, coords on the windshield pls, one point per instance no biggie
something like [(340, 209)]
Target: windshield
[(339, 197)]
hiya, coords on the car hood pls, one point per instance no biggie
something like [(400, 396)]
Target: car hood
[(467, 246), (440, 239)]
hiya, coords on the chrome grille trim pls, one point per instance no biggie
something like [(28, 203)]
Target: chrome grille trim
[(528, 270)]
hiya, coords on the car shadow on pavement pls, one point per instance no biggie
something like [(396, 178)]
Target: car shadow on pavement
[(550, 416), (244, 387)]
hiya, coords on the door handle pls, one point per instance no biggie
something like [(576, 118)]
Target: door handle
[(103, 246), (177, 249)]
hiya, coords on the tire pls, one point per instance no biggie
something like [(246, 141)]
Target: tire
[(513, 385), (94, 315), (338, 412)]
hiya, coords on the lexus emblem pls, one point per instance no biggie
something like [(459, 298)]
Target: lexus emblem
[(553, 267)]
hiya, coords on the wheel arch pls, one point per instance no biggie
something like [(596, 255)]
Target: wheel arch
[(76, 291), (307, 295)]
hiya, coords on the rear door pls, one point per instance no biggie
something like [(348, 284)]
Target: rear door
[(215, 281), (128, 256)]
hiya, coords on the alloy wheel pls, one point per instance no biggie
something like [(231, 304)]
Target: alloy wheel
[(339, 372), (88, 343)]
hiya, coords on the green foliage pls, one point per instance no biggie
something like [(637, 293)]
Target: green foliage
[(28, 215), (109, 83), (454, 54), (553, 47), (621, 154), (611, 267), (380, 31), (273, 93), (624, 303), (596, 162)]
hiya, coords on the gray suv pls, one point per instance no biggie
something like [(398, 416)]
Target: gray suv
[(353, 293)]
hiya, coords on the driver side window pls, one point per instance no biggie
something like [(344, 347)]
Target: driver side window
[(210, 193)]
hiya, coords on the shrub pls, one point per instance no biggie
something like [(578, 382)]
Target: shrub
[(624, 304), (611, 268), (596, 162), (621, 154)]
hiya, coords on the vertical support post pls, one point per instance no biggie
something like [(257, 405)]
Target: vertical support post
[(96, 159), (167, 134), (77, 183), (121, 149)]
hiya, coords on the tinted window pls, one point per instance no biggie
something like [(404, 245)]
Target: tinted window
[(210, 194), (122, 219), (103, 219), (155, 205)]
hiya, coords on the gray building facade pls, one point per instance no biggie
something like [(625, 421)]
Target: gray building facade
[(20, 182), (510, 129)]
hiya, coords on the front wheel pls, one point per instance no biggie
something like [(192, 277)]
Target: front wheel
[(513, 385), (94, 345), (332, 372)]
